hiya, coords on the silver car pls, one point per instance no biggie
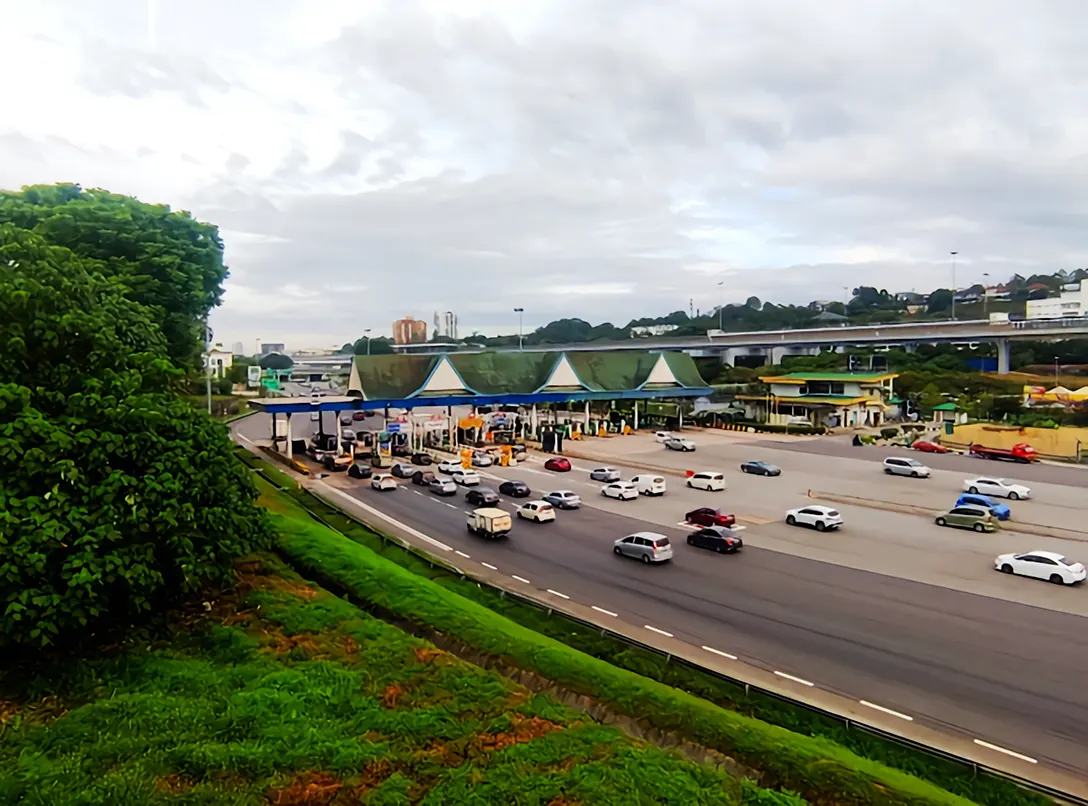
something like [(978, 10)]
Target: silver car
[(604, 474), (649, 547), (564, 499)]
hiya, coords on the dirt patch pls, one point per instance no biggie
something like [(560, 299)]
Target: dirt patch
[(391, 694), (372, 776), (523, 730), (563, 800), (307, 789), (285, 643), (174, 784), (429, 654), (351, 646)]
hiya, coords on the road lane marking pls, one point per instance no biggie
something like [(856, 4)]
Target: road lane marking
[(521, 579), (1006, 751), (244, 438), (461, 554), (489, 565), (417, 492), (602, 610), (557, 593), (719, 652), (451, 506), (800, 680), (754, 520), (881, 708), (390, 519), (656, 630)]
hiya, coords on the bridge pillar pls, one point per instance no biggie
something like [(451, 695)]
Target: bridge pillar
[(1004, 354), (911, 347), (290, 455), (774, 355), (728, 356)]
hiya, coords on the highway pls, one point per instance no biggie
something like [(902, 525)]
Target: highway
[(980, 666)]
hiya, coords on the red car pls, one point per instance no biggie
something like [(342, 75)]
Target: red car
[(705, 516), (558, 464), (929, 447)]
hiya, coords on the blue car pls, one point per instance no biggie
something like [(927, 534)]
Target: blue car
[(1000, 511)]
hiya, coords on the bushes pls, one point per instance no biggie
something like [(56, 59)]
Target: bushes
[(889, 432), (800, 430)]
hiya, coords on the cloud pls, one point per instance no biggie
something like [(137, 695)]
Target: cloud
[(607, 160)]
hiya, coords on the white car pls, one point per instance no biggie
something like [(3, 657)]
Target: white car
[(564, 499), (383, 481), (677, 444), (988, 485), (709, 480), (649, 484), (449, 465), (466, 478), (1042, 565), (621, 490), (443, 486), (539, 511), (901, 466), (662, 436), (821, 518), (482, 459), (604, 474)]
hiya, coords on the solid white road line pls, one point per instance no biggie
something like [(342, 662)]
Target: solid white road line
[(244, 438), (417, 492), (389, 519), (719, 652), (461, 554), (800, 680), (602, 610), (489, 565), (557, 593), (1007, 752), (521, 579), (656, 630), (451, 506), (881, 708)]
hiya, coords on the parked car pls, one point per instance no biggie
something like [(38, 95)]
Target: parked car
[(899, 466), (539, 511), (466, 478), (988, 485), (402, 470), (760, 469), (967, 517), (440, 485), (558, 464), (678, 444), (423, 478), (709, 480), (359, 415), (482, 496), (449, 465), (346, 418), (482, 459), (821, 518), (649, 484), (347, 436), (649, 547), (708, 516), (999, 511), (564, 499), (383, 481), (421, 458), (358, 471), (620, 490), (663, 436), (716, 538), (925, 446), (515, 489), (604, 474), (1046, 565)]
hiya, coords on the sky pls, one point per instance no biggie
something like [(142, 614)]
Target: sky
[(601, 159)]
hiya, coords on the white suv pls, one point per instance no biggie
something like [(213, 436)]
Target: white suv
[(898, 466)]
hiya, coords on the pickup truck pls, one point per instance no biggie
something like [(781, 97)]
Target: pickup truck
[(489, 522), (1020, 452)]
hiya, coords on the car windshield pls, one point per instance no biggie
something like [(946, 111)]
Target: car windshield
[(914, 463)]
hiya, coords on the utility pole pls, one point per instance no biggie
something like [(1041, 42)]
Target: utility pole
[(366, 333), (208, 363), (721, 305), (985, 296), (521, 329), (953, 284)]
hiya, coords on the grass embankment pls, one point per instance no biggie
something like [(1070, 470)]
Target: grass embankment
[(283, 693), (957, 778)]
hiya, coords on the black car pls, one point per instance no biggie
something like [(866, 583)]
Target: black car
[(761, 469), (421, 458), (716, 538), (358, 471), (422, 477), (402, 470), (515, 489), (481, 496)]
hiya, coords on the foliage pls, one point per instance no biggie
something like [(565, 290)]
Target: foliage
[(115, 494), (799, 430), (164, 259), (889, 432), (368, 346), (284, 693), (276, 361)]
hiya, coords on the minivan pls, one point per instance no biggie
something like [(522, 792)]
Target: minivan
[(649, 484), (707, 480), (897, 466)]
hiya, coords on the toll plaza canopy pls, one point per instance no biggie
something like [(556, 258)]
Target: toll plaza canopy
[(490, 378)]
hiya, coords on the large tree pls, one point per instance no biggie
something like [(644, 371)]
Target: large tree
[(116, 496), (166, 260)]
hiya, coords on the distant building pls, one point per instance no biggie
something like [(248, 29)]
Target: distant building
[(239, 348), (652, 330), (1072, 303), (218, 361), (445, 325), (273, 347), (998, 292), (409, 331)]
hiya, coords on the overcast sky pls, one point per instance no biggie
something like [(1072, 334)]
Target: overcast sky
[(605, 159)]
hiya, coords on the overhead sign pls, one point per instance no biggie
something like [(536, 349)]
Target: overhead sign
[(253, 374), (393, 428)]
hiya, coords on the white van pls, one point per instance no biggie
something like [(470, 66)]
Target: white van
[(709, 480), (649, 484)]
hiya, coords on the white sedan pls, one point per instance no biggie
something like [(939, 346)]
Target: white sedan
[(604, 474), (820, 518), (1042, 565), (662, 436), (466, 478), (678, 444), (383, 481), (539, 511), (1002, 488), (621, 490)]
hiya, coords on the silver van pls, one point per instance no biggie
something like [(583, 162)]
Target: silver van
[(649, 547), (898, 466)]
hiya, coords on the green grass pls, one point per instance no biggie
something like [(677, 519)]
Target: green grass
[(283, 693), (957, 778)]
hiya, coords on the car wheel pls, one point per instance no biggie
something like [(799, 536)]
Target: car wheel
[(1013, 496), (792, 521), (691, 542), (518, 513), (888, 470), (820, 526), (1006, 569), (978, 527), (617, 551), (1057, 579), (913, 475), (718, 549), (646, 558), (690, 484), (743, 469), (942, 522), (973, 491)]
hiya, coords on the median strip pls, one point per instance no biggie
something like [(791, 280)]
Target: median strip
[(1006, 751)]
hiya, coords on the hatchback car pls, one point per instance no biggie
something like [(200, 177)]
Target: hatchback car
[(358, 471), (604, 474), (441, 485), (539, 511), (449, 465), (760, 469), (482, 497), (716, 538), (925, 446), (402, 470), (708, 480), (482, 459), (620, 490), (649, 547), (515, 489), (558, 464), (999, 511), (988, 485), (820, 518), (383, 481), (564, 499), (422, 478), (899, 466), (421, 458), (708, 516), (1046, 565), (467, 478), (678, 444), (968, 517)]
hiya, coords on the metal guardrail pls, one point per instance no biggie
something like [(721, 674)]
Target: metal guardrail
[(552, 610)]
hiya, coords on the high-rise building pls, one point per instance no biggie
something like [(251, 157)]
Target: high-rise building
[(409, 331), (239, 348), (272, 348)]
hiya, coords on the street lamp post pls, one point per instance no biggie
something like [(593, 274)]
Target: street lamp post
[(985, 296), (521, 329), (721, 303), (1056, 384), (953, 284), (366, 335), (208, 363)]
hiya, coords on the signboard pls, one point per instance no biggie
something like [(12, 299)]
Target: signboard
[(392, 428), (253, 375)]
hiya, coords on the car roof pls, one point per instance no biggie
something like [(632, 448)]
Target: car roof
[(562, 492), (1050, 555), (648, 535)]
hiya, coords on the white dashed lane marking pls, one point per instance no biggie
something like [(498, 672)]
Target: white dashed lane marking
[(489, 565), (800, 680), (520, 579), (656, 630), (1006, 751), (884, 710), (602, 610), (719, 652)]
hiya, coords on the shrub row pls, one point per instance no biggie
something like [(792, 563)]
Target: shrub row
[(800, 430)]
